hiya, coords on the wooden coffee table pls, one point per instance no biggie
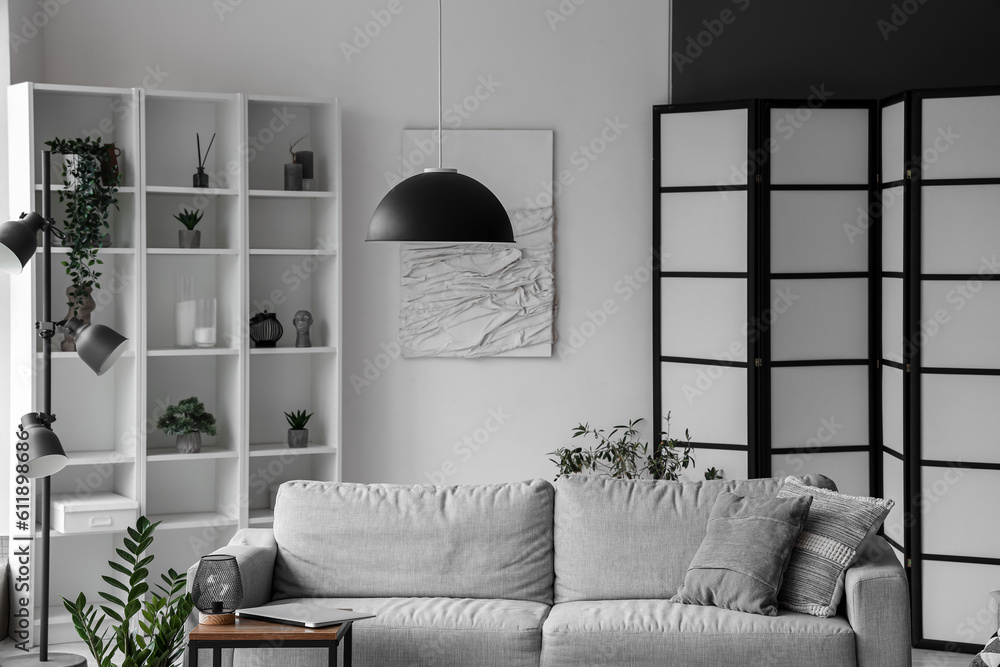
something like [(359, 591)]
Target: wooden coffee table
[(258, 634)]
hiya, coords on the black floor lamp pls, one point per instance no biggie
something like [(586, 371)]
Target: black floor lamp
[(98, 346)]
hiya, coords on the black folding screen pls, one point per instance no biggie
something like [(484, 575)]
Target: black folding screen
[(827, 303)]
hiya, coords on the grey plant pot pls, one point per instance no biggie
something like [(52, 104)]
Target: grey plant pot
[(189, 238), (298, 437), (189, 443)]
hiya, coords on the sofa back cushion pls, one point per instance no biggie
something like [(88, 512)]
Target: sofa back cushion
[(356, 540), (634, 539)]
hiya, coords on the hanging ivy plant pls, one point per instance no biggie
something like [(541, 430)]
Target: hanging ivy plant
[(88, 202)]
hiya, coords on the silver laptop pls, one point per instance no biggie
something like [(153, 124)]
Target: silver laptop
[(312, 614)]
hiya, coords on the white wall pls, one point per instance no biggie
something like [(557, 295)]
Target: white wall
[(602, 64)]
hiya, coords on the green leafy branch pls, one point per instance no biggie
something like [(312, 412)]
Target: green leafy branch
[(159, 615)]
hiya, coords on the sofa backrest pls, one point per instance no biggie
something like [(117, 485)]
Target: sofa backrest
[(620, 539), (356, 540)]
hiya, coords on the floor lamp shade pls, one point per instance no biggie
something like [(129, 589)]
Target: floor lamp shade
[(18, 242), (441, 206), (45, 453), (99, 346)]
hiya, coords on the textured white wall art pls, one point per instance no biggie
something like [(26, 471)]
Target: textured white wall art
[(483, 300)]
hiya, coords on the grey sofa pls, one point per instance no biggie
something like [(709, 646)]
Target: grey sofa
[(535, 574)]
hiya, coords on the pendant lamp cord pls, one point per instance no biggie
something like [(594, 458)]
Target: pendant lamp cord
[(440, 93)]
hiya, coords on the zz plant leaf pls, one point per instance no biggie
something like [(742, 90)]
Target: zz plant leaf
[(146, 629)]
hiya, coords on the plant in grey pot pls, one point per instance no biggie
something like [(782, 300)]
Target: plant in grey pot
[(298, 434), (187, 420), (88, 202), (190, 237)]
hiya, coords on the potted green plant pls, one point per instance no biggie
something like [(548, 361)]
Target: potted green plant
[(147, 625), (187, 420), (621, 454), (88, 200), (189, 237), (298, 434)]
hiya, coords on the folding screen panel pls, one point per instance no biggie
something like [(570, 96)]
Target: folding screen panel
[(893, 189), (954, 386), (703, 210), (817, 192)]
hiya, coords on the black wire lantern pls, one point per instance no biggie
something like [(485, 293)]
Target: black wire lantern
[(217, 591)]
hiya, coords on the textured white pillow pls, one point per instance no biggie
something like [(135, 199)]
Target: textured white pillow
[(835, 530)]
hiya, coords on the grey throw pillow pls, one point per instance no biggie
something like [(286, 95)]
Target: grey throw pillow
[(740, 563), (837, 527)]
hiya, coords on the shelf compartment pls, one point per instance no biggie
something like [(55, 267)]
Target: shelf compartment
[(287, 383), (171, 152), (293, 225), (123, 224), (222, 220), (268, 471), (282, 449), (215, 276), (171, 454), (214, 380), (327, 349), (313, 123), (192, 493), (288, 284)]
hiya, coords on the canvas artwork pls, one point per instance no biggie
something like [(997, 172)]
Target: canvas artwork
[(485, 300)]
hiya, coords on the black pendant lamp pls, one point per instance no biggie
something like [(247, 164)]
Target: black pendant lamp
[(440, 205)]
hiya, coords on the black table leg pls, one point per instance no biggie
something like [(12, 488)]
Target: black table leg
[(217, 656), (348, 640), (192, 655), (332, 659)]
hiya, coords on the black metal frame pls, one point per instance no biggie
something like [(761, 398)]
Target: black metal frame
[(216, 646), (758, 189), (914, 463), (752, 293)]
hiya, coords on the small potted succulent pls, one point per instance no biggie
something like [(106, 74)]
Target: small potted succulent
[(187, 420), (298, 434), (190, 237)]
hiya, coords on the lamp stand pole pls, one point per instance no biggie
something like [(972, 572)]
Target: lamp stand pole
[(46, 330)]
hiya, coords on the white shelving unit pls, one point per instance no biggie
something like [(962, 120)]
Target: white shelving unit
[(262, 248)]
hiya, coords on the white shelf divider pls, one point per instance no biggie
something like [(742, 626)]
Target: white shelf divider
[(195, 352), (182, 190), (282, 449), (192, 520), (98, 457), (155, 454), (192, 251), (324, 349), (292, 252), (292, 194)]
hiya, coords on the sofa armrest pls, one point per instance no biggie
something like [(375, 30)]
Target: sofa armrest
[(255, 551), (878, 607)]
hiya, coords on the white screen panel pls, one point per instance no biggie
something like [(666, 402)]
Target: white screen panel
[(960, 324), (814, 146), (819, 406), (953, 501), (892, 408), (893, 153), (822, 319), (892, 230), (703, 231), (703, 148), (961, 137), (819, 231), (703, 318), (732, 464), (961, 229), (710, 401), (892, 319), (892, 488), (961, 421), (956, 601), (849, 470)]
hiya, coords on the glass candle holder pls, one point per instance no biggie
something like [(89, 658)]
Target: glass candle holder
[(205, 323), (184, 311)]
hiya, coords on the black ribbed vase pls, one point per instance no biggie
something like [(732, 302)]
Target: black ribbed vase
[(265, 329)]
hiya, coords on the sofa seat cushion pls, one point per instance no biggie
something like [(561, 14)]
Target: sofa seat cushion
[(431, 632), (658, 632)]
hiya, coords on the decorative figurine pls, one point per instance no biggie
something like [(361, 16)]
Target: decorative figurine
[(302, 321), (80, 308)]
